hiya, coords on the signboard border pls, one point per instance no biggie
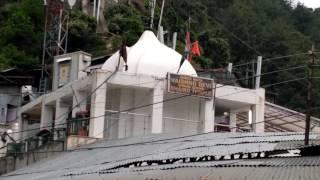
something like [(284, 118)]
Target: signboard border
[(193, 95)]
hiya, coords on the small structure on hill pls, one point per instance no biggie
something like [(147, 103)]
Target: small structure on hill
[(15, 91)]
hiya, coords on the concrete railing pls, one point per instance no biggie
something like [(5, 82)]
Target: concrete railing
[(143, 121)]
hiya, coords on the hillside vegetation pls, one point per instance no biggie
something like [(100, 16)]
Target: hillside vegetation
[(227, 30)]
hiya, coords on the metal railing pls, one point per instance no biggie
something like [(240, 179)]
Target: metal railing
[(113, 119), (29, 144), (78, 126), (15, 148)]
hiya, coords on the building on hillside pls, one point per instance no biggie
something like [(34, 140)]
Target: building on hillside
[(15, 90), (136, 102)]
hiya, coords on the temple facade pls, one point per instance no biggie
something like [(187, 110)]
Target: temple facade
[(117, 99)]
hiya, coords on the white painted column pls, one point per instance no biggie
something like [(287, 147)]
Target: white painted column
[(258, 112), (157, 109), (16, 129), (62, 113), (22, 126), (46, 116), (98, 105), (209, 113), (79, 97), (233, 120)]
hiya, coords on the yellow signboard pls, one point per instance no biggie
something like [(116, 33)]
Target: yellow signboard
[(64, 72), (194, 86)]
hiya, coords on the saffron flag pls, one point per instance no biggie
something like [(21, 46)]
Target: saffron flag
[(195, 50), (190, 50)]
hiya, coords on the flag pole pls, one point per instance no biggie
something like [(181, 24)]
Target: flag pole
[(187, 45)]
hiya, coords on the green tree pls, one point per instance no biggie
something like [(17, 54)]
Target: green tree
[(10, 56), (21, 34), (82, 34), (124, 22), (216, 48)]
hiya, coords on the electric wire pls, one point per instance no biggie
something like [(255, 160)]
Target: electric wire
[(243, 42), (130, 109), (235, 36), (243, 64), (246, 44), (139, 107), (141, 143), (275, 117), (271, 59), (171, 99), (284, 57)]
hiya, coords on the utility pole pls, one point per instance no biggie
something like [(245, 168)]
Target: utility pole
[(94, 8), (98, 11), (253, 74), (258, 74), (310, 94), (153, 6), (161, 13), (174, 40), (229, 72), (247, 76), (160, 31), (229, 68)]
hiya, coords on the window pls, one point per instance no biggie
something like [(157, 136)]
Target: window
[(12, 113), (3, 115), (64, 72)]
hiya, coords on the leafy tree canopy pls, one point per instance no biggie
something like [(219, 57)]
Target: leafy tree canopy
[(227, 30)]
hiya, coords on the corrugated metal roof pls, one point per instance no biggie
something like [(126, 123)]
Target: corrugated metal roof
[(105, 155), (232, 173), (269, 162), (287, 121)]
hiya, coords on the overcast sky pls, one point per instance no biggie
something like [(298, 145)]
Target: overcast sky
[(311, 3)]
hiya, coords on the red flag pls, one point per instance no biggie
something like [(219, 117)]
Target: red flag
[(195, 50)]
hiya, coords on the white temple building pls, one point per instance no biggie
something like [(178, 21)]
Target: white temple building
[(105, 101)]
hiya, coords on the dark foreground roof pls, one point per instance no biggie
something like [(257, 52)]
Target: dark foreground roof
[(214, 155), (19, 77)]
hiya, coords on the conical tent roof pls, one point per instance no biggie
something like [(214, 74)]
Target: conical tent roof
[(150, 57)]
